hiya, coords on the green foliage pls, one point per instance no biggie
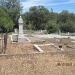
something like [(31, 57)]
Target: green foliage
[(13, 8), (38, 17), (6, 24), (68, 27), (66, 21), (52, 27)]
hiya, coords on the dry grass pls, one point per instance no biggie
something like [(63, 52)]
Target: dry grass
[(20, 48), (22, 59), (37, 64)]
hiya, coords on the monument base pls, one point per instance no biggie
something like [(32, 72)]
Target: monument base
[(23, 39), (14, 38)]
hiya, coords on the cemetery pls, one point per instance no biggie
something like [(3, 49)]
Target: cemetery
[(37, 54), (20, 43), (37, 37)]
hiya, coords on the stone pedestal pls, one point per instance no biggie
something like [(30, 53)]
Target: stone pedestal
[(14, 37), (21, 38)]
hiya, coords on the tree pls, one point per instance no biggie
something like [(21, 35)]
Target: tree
[(69, 26), (13, 8), (52, 27), (6, 24), (66, 21), (38, 16)]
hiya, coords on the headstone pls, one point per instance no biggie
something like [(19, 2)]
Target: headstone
[(16, 31), (59, 32), (68, 33), (21, 37), (14, 37)]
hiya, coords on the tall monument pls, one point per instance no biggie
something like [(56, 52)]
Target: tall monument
[(21, 37)]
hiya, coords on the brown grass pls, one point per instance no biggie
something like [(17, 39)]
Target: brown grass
[(22, 59), (37, 64)]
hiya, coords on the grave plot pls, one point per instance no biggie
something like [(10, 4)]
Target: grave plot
[(49, 45), (46, 48), (68, 44), (25, 59), (62, 44), (49, 48), (20, 49)]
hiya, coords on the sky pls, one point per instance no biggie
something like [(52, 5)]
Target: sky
[(56, 5)]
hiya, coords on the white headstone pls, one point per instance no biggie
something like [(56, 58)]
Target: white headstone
[(16, 31)]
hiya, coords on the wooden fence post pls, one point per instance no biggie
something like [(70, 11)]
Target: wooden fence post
[(5, 42)]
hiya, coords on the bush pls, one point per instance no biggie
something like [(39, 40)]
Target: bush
[(52, 27), (68, 27)]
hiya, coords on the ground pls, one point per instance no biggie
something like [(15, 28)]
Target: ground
[(24, 59), (23, 48)]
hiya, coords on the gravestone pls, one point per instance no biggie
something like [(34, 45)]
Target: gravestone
[(16, 31), (21, 37), (14, 36)]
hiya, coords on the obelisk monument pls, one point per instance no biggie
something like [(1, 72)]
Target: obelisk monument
[(21, 37)]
